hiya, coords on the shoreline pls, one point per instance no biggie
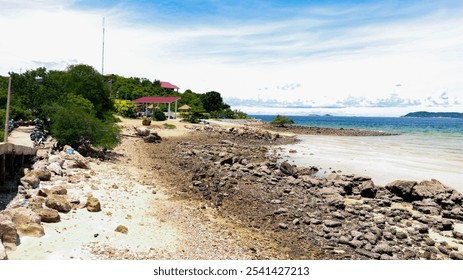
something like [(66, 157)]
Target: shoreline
[(227, 179)]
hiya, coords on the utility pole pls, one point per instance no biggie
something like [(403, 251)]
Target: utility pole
[(7, 115), (102, 54)]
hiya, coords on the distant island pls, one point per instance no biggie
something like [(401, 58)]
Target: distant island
[(424, 114)]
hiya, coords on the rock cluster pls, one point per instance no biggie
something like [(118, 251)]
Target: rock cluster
[(149, 136), (346, 215), (41, 198), (251, 133)]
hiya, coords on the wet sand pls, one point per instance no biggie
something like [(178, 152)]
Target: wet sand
[(384, 158)]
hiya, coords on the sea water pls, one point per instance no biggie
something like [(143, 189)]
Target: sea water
[(424, 149)]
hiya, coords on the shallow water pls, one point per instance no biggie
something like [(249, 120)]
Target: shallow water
[(385, 158)]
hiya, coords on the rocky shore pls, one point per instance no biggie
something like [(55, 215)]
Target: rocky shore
[(313, 130), (225, 194), (336, 217)]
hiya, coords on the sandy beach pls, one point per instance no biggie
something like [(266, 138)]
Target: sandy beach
[(219, 192)]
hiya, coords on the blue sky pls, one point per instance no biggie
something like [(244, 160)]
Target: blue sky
[(298, 57)]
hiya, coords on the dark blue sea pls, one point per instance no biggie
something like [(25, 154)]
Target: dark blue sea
[(448, 126)]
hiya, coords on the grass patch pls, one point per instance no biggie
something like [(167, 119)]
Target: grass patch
[(169, 126)]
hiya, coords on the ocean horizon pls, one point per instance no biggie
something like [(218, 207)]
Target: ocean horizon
[(401, 125)]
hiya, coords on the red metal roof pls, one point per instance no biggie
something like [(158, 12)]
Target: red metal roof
[(168, 85), (156, 99)]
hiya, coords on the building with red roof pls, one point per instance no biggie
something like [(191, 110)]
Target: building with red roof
[(168, 85)]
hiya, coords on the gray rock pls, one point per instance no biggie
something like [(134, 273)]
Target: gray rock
[(456, 256), (368, 189), (382, 248), (370, 237), (429, 241), (455, 214), (288, 169), (283, 226), (280, 211), (427, 206), (401, 235), (56, 168), (401, 188), (429, 189), (457, 235), (368, 254), (332, 223)]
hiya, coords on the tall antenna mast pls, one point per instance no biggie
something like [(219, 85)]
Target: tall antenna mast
[(102, 54)]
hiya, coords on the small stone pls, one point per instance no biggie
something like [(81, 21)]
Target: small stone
[(122, 229), (283, 226), (93, 204), (280, 211), (332, 223), (429, 241), (60, 190)]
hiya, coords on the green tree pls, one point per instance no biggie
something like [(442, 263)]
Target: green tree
[(84, 80), (282, 121), (212, 101)]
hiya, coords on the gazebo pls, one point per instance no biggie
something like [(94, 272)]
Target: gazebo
[(144, 101)]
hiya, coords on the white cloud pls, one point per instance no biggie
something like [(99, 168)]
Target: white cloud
[(316, 58)]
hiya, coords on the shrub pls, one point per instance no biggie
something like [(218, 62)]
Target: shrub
[(158, 115), (70, 123), (125, 108), (281, 121)]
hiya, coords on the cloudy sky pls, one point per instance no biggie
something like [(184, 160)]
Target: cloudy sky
[(295, 57)]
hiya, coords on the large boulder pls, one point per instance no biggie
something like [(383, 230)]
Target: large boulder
[(8, 233), (56, 168), (27, 222), (288, 169), (48, 215), (30, 180), (152, 138), (429, 189), (32, 230), (43, 175), (24, 215), (59, 203), (367, 189), (402, 188)]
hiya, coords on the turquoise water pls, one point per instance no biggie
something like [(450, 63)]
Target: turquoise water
[(433, 126), (425, 148)]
